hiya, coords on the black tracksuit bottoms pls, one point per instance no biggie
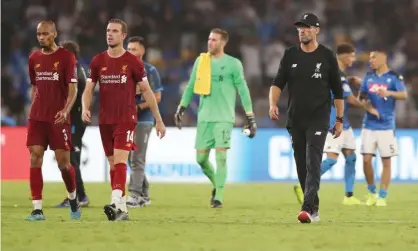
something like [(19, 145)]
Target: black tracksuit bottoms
[(308, 144), (78, 130)]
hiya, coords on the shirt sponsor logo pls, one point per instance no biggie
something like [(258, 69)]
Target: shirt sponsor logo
[(113, 79), (375, 87)]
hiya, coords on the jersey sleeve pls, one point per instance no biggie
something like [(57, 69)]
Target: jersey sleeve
[(32, 73), (346, 87), (188, 93), (81, 78), (335, 78), (155, 80), (242, 87), (238, 74), (139, 74), (399, 84), (282, 73), (93, 74), (70, 71)]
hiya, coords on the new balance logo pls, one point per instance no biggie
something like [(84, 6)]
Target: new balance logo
[(318, 133), (294, 65)]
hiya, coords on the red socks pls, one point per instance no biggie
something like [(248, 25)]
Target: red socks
[(68, 175), (36, 182), (119, 177), (112, 176)]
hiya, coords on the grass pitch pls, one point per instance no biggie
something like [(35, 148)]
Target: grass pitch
[(254, 217)]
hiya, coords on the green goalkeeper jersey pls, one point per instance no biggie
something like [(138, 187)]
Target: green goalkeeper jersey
[(227, 77)]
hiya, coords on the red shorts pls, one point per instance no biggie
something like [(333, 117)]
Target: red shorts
[(118, 136), (41, 133)]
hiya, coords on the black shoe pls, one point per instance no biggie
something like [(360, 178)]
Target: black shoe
[(217, 204), (74, 205), (212, 198), (111, 212), (121, 216)]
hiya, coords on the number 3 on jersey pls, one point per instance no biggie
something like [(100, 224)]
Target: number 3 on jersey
[(130, 136), (64, 132)]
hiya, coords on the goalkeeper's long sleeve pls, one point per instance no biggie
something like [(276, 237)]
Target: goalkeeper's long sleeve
[(188, 93), (242, 87)]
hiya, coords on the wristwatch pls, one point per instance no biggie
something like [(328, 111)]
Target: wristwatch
[(340, 119)]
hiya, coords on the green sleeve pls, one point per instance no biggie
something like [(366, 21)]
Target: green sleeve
[(242, 87), (188, 93)]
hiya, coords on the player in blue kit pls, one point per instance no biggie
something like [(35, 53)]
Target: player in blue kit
[(381, 88), (346, 144)]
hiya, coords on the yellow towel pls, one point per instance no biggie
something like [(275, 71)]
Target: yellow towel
[(203, 75)]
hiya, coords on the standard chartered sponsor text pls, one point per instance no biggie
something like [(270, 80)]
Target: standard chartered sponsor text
[(46, 75), (110, 79)]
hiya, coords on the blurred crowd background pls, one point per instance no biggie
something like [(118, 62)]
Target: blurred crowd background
[(176, 32)]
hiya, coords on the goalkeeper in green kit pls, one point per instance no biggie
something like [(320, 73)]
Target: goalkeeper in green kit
[(216, 77)]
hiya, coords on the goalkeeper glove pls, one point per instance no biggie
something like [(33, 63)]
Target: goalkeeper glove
[(178, 116), (251, 125)]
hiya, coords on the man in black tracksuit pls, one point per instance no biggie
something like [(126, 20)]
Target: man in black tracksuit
[(77, 128), (311, 72)]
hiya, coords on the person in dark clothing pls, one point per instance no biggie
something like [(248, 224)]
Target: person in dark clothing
[(311, 73), (77, 128)]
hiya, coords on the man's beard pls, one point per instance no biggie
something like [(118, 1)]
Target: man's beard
[(214, 51), (45, 47), (305, 41)]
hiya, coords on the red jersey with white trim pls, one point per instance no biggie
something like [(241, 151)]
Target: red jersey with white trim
[(117, 78), (51, 74)]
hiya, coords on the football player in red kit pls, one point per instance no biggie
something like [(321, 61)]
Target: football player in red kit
[(53, 76), (118, 72)]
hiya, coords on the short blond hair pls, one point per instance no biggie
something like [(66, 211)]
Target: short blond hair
[(223, 33), (121, 22)]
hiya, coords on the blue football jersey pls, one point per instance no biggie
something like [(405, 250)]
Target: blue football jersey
[(346, 92), (145, 115), (385, 106)]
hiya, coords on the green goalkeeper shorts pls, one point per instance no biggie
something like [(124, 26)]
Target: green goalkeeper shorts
[(213, 135)]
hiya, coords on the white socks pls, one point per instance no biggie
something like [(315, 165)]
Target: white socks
[(118, 200), (122, 204), (71, 196), (37, 204)]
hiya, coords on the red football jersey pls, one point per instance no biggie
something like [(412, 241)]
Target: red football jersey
[(117, 78), (51, 74)]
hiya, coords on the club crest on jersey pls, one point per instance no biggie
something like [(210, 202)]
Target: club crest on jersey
[(317, 73), (123, 70), (56, 64)]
